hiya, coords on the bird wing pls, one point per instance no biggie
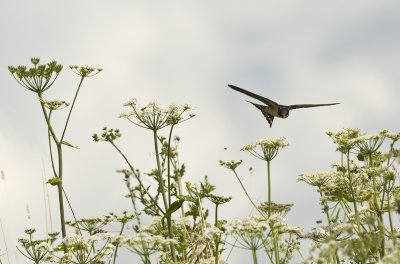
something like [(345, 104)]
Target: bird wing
[(256, 96), (296, 106), (270, 118)]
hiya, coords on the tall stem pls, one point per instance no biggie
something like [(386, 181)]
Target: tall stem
[(351, 185), (254, 254), (169, 165), (60, 190), (117, 246), (162, 190), (275, 235), (159, 172), (217, 237), (269, 187), (60, 166)]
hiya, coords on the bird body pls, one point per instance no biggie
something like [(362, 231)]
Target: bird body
[(271, 108)]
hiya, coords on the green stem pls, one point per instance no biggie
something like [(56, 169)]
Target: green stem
[(72, 211), (217, 237), (351, 185), (325, 205), (162, 190), (117, 246), (60, 167), (269, 187), (159, 171), (72, 106), (254, 254), (133, 201), (276, 246), (136, 176), (169, 165), (60, 190), (247, 194)]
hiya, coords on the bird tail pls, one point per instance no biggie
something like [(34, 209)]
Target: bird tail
[(261, 107)]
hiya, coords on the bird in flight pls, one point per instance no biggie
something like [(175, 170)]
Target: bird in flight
[(272, 109)]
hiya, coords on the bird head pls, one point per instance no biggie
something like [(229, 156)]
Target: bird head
[(284, 112)]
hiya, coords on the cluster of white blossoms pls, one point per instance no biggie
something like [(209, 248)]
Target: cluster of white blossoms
[(73, 239), (318, 178), (345, 139), (363, 215), (350, 138), (252, 226), (78, 249), (269, 148), (154, 116), (145, 238), (332, 231)]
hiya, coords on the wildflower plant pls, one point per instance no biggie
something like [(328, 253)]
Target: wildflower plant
[(34, 249), (173, 220), (267, 150), (358, 199), (170, 195), (38, 79)]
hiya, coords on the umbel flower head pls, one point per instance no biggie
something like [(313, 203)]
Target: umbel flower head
[(38, 78), (232, 165), (154, 116), (85, 71), (345, 139), (54, 104), (107, 135), (269, 148)]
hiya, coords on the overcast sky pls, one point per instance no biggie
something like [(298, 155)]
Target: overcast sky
[(187, 52)]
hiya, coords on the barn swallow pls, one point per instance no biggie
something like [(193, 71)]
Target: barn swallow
[(273, 109)]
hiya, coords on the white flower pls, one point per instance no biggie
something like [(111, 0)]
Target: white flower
[(93, 239), (72, 239)]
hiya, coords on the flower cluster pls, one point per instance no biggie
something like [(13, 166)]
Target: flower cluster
[(37, 249), (38, 78), (281, 209), (54, 104), (81, 251), (154, 116), (317, 179), (232, 165), (108, 135), (92, 225), (145, 244), (269, 148), (85, 71), (250, 227)]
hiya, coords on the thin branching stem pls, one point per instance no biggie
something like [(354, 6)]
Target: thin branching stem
[(72, 107)]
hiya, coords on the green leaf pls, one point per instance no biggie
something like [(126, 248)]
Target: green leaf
[(54, 181), (69, 145), (174, 207)]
